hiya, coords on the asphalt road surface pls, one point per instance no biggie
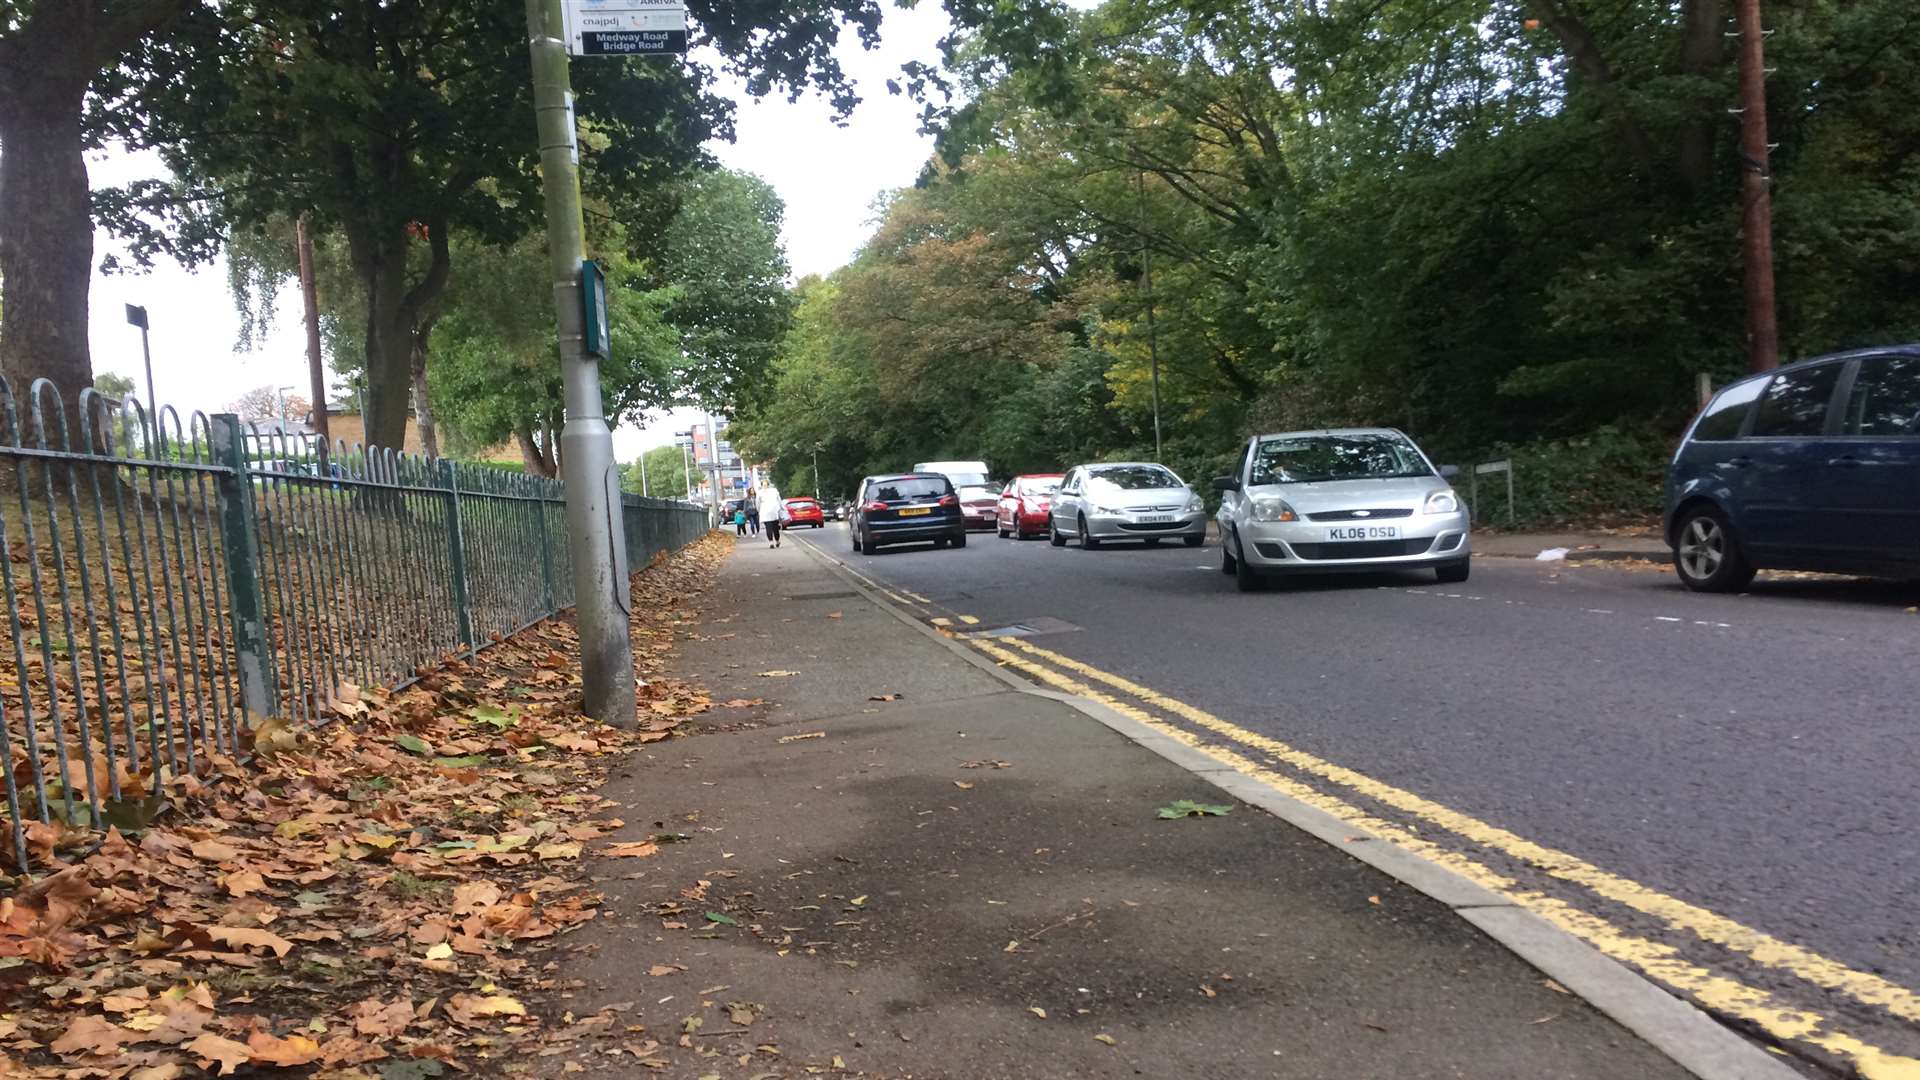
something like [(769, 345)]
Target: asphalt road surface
[(1726, 786)]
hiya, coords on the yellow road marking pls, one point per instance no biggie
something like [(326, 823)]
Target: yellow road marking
[(1763, 948), (970, 620), (939, 621), (1659, 961), (917, 596)]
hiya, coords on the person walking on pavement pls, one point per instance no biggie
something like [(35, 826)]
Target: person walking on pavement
[(740, 519), (752, 503), (772, 513)]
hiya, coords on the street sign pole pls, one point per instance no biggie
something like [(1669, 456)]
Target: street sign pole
[(594, 527)]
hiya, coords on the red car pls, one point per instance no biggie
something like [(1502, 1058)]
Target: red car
[(805, 512), (1025, 504)]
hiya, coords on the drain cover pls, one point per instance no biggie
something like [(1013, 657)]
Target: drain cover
[(1045, 624), (822, 596)]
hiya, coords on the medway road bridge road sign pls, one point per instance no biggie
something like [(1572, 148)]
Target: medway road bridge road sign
[(626, 27)]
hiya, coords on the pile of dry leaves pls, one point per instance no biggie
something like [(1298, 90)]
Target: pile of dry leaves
[(370, 898)]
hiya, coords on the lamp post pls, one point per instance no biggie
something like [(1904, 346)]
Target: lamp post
[(137, 316), (816, 472), (685, 438)]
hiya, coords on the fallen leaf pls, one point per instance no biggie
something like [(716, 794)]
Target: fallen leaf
[(963, 785), (211, 1048), (242, 882), (777, 674), (214, 851), (1555, 987), (466, 1008), (413, 744), (662, 970), (885, 697), (1037, 1011), (241, 937), (91, 1035), (442, 951), (272, 1050), (743, 1013), (725, 920), (567, 850), (833, 614), (858, 901), (1188, 808), (637, 850), (1105, 1038), (808, 735)]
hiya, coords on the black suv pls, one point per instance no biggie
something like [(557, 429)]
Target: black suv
[(903, 508)]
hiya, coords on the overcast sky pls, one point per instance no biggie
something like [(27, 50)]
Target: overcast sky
[(828, 175)]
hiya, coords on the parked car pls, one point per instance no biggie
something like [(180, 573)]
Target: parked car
[(834, 510), (1346, 499), (805, 512), (902, 508), (1025, 504), (1125, 501), (1812, 466)]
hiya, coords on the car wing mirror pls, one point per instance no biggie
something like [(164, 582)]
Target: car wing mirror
[(1448, 472), (1226, 483)]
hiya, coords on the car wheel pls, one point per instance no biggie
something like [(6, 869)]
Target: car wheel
[(1706, 554), (868, 547), (1194, 541), (1053, 534), (1454, 573), (1227, 562), (960, 541), (853, 537), (1001, 529), (1088, 542), (1244, 577)]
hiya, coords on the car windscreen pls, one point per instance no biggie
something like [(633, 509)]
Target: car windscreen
[(1308, 459), (967, 479), (1040, 487), (909, 487), (1134, 477), (978, 491)]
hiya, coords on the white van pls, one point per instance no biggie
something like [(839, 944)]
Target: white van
[(960, 473), (979, 502)]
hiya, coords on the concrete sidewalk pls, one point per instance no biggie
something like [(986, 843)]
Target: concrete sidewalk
[(1578, 545), (862, 902)]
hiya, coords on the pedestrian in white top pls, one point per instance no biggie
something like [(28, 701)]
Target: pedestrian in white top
[(773, 513)]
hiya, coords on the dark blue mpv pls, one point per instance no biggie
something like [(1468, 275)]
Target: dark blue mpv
[(1812, 466)]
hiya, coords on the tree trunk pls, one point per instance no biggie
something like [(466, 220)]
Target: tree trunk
[(393, 311), (422, 401), (1701, 52), (46, 232), (531, 453)]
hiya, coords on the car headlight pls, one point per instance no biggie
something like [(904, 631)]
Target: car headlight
[(1443, 502), (1273, 510), (1195, 503)]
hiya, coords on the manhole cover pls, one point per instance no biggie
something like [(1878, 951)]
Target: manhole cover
[(823, 596), (1025, 628)]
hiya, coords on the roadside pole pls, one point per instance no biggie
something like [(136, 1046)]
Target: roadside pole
[(594, 528), (316, 370), (1756, 191)]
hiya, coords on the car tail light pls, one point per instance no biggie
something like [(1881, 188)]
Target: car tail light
[(874, 506), (949, 500)]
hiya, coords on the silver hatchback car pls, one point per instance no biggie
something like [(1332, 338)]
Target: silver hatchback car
[(1125, 500), (1346, 499)]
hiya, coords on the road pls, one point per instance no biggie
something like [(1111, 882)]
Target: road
[(1716, 790)]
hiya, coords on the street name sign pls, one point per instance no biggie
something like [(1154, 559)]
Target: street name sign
[(626, 27)]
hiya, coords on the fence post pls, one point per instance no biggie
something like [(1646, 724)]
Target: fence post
[(239, 541), (457, 554), (546, 546)]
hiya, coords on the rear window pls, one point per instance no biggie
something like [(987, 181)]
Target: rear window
[(911, 487), (1040, 487), (801, 504)]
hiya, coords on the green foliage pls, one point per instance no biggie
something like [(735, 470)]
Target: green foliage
[(1607, 477), (666, 474)]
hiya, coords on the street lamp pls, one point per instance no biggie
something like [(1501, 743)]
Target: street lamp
[(137, 316), (816, 472), (685, 438)]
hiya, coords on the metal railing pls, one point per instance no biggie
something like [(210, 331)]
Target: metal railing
[(171, 585)]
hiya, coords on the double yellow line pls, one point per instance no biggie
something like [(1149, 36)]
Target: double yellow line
[(1231, 744)]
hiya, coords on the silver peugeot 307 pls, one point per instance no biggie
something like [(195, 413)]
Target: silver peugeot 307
[(1345, 499), (1126, 500)]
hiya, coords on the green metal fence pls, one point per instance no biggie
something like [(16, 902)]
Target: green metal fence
[(168, 584)]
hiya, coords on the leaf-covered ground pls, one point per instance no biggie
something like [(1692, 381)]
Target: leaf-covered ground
[(378, 897)]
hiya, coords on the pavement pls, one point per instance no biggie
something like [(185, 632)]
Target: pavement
[(1714, 790), (1576, 545), (898, 863)]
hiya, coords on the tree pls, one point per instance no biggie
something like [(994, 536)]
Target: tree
[(666, 474), (51, 53), (266, 403), (402, 125)]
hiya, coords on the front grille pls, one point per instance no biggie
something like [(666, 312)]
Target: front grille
[(1359, 515), (1363, 549), (1153, 526), (1152, 509)]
